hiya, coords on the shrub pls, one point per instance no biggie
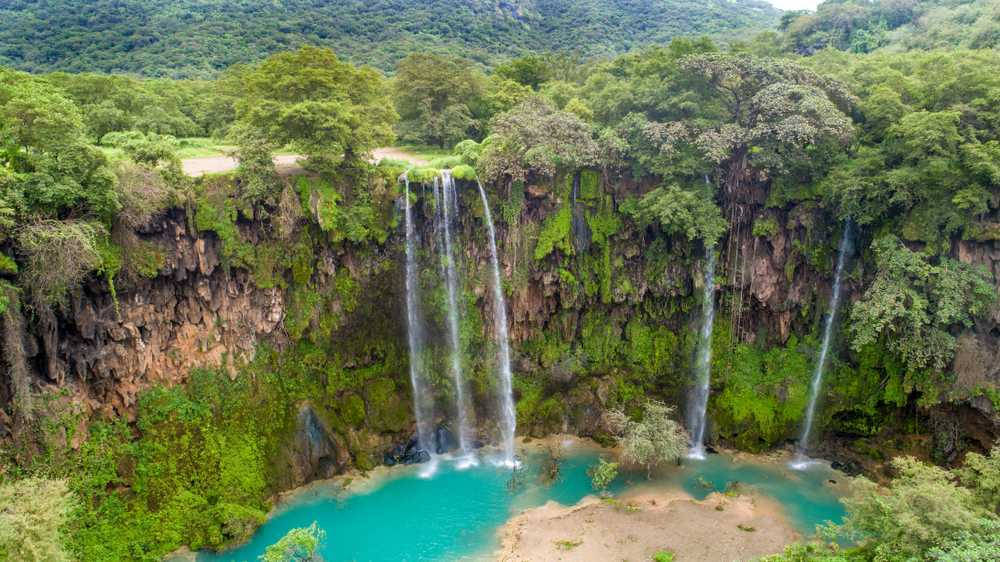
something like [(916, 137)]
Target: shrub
[(58, 256), (298, 545), (33, 513), (655, 440)]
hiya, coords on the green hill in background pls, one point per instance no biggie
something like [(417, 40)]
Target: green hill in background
[(197, 38)]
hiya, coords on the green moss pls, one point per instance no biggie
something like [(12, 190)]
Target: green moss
[(590, 185), (765, 227), (555, 234), (7, 265), (650, 349), (216, 211), (764, 392), (302, 308), (464, 172), (352, 410), (600, 340), (424, 174)]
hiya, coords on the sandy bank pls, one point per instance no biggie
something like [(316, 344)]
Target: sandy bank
[(638, 524)]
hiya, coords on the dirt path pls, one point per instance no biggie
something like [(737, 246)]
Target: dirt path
[(285, 163)]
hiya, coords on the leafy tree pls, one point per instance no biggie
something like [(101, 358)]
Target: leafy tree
[(434, 97), (536, 137), (529, 70), (760, 118), (602, 474), (914, 304), (688, 213), (920, 507), (655, 440), (50, 170), (316, 104), (298, 545), (981, 474), (31, 520)]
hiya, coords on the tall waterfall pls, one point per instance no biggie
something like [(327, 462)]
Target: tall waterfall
[(703, 362), (508, 423), (423, 408), (817, 379), (447, 209)]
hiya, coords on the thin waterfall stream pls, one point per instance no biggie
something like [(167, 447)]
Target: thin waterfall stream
[(447, 208), (508, 422), (423, 409), (801, 460), (703, 362)]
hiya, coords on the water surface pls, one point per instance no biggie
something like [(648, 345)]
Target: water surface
[(455, 514)]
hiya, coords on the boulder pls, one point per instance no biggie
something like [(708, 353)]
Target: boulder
[(313, 453)]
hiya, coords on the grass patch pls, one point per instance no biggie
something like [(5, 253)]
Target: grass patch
[(567, 544)]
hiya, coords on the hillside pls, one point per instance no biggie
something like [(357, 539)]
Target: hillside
[(197, 38)]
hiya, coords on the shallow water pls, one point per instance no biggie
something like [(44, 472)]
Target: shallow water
[(807, 499), (455, 513)]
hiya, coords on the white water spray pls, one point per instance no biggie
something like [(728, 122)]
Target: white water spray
[(446, 196), (801, 460), (703, 362), (423, 409), (508, 423)]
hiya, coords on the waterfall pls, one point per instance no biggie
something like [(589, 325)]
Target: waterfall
[(703, 362), (447, 207), (422, 401), (508, 424), (817, 378)]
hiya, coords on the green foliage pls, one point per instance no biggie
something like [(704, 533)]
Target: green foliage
[(194, 40), (921, 506), (764, 392), (555, 233), (602, 474), (663, 556), (298, 545), (914, 303), (434, 96), (691, 214), (316, 104), (33, 518), (653, 441), (535, 137), (58, 255)]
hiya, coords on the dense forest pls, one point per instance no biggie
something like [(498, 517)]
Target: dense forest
[(199, 38), (167, 340)]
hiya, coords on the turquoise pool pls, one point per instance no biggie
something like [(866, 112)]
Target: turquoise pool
[(455, 513)]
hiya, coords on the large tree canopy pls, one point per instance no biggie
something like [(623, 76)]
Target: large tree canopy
[(316, 104)]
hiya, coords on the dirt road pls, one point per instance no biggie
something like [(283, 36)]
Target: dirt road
[(285, 162)]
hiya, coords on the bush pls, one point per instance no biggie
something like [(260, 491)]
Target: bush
[(602, 474), (58, 256), (655, 440), (298, 545), (31, 517)]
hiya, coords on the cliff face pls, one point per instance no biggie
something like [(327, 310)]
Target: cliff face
[(602, 313)]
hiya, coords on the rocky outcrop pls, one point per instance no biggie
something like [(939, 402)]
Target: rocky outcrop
[(313, 452), (194, 313)]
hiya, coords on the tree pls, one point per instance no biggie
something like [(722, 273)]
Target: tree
[(920, 507), (530, 70), (298, 545), (50, 169), (434, 97), (326, 109), (688, 213), (759, 117), (602, 474), (536, 137), (656, 439), (913, 304), (31, 520)]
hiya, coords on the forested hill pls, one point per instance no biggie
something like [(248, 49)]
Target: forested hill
[(196, 38)]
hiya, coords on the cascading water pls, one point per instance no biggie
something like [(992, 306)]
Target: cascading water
[(446, 196), (801, 460), (422, 401), (508, 423), (703, 362)]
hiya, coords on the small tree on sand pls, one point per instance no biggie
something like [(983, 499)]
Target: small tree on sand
[(656, 439), (602, 474)]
